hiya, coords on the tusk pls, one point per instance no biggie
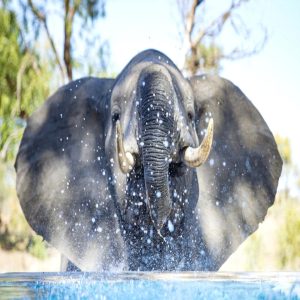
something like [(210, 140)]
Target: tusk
[(195, 157), (126, 159)]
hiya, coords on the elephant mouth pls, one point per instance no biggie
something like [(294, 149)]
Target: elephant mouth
[(158, 199)]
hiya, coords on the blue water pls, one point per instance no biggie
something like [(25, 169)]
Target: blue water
[(150, 286)]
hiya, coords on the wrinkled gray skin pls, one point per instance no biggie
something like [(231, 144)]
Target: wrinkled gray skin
[(162, 215)]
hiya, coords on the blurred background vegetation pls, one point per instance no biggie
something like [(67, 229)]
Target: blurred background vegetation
[(33, 63)]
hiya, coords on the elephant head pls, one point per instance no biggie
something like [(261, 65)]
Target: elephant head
[(151, 137), (148, 171)]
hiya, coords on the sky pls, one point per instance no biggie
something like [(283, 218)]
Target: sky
[(270, 79)]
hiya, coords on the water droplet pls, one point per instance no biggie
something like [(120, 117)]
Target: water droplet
[(158, 194), (170, 226), (166, 143)]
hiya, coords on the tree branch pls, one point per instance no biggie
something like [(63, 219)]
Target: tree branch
[(70, 12), (42, 18), (238, 53), (216, 26), (26, 61), (190, 20)]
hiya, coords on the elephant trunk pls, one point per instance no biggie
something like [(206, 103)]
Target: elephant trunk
[(157, 128)]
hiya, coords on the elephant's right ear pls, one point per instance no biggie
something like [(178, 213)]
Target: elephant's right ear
[(238, 182)]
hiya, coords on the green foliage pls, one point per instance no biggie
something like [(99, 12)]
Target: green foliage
[(204, 58), (284, 148), (10, 56), (24, 84), (37, 247), (289, 171), (15, 233), (289, 236)]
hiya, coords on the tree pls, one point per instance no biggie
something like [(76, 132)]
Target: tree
[(23, 83), (25, 77), (84, 12), (200, 35), (290, 173)]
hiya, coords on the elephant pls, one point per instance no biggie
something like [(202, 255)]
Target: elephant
[(150, 171)]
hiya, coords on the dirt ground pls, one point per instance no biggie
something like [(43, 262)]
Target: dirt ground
[(17, 261)]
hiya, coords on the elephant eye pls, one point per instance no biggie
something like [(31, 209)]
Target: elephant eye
[(116, 117)]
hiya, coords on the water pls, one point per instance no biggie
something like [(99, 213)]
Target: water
[(150, 286)]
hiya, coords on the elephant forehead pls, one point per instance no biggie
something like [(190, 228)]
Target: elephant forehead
[(126, 83)]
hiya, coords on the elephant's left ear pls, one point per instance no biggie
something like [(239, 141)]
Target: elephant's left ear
[(239, 180)]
